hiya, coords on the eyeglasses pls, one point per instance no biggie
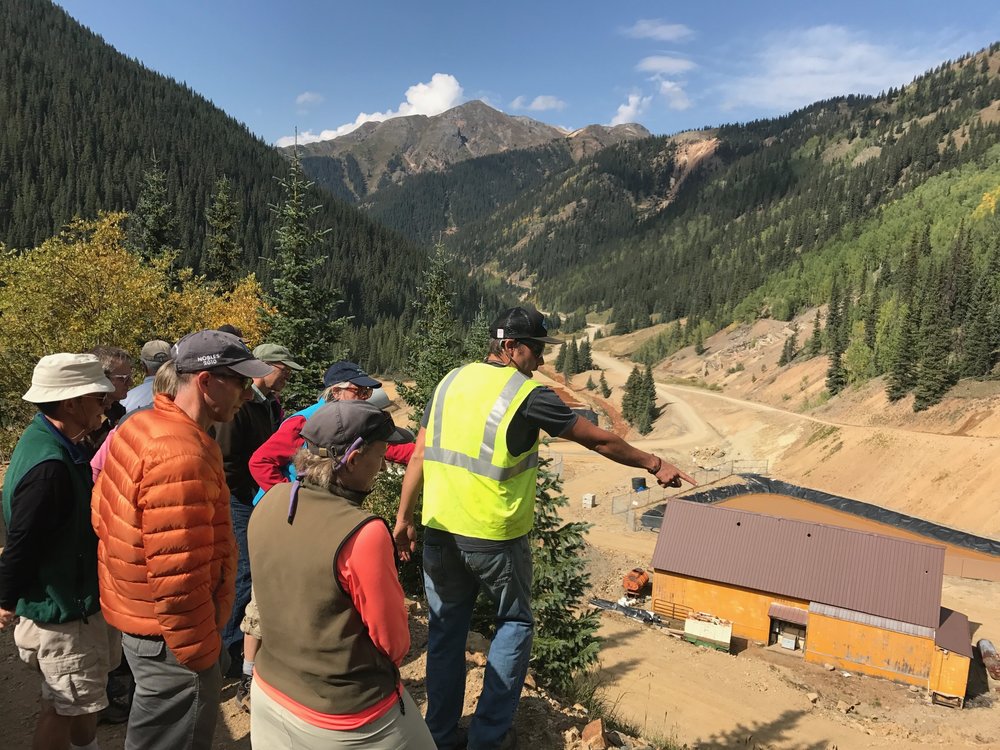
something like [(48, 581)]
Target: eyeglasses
[(120, 378), (244, 382), (104, 398), (364, 392)]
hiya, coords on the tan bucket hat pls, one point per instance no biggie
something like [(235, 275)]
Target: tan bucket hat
[(60, 377)]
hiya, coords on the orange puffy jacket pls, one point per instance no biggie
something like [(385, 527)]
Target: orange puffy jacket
[(166, 555)]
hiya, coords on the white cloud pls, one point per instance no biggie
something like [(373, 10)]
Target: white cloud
[(675, 95), (308, 97), (797, 68), (441, 93), (654, 28), (632, 109), (541, 103), (664, 65)]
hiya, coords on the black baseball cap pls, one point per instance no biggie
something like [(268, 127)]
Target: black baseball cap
[(348, 372), (206, 350), (337, 425), (521, 323)]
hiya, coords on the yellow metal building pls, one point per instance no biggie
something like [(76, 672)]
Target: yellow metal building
[(860, 601)]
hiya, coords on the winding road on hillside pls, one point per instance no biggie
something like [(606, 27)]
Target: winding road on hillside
[(942, 477)]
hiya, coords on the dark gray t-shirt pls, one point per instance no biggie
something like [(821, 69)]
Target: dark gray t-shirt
[(541, 410)]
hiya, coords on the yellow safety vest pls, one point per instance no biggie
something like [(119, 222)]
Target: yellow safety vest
[(473, 485)]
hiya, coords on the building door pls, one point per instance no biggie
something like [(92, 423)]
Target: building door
[(786, 632)]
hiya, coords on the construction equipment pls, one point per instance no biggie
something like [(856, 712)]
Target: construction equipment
[(635, 581)]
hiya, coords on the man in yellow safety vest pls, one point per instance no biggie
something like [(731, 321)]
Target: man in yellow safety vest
[(476, 459)]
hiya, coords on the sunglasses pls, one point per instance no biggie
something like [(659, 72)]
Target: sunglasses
[(535, 347), (104, 398), (364, 392), (244, 382)]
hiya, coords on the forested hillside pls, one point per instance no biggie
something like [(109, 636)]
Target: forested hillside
[(884, 206), (81, 124)]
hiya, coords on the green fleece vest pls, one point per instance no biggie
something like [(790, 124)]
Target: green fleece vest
[(64, 587), (316, 648)]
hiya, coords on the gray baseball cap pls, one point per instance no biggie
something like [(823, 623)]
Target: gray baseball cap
[(208, 349), (334, 428), (154, 353)]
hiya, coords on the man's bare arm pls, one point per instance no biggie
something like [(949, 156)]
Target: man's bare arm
[(405, 533), (613, 447)]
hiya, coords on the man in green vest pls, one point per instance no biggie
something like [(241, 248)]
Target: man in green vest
[(48, 570), (476, 460)]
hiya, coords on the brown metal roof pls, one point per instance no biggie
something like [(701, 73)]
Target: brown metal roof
[(954, 633), (783, 612), (870, 573)]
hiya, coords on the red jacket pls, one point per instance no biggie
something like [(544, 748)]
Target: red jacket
[(166, 554), (269, 462)]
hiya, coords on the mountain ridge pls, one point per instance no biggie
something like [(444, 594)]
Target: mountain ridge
[(378, 154)]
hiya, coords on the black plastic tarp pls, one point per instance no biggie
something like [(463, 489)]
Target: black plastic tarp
[(755, 483)]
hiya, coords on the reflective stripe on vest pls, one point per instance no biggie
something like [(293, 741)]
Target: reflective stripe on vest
[(472, 484), (483, 465)]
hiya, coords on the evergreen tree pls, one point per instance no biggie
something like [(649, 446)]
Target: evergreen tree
[(591, 385), (305, 312), (902, 367), (645, 408), (599, 334), (870, 315), (981, 322), (789, 348), (834, 318), (836, 340), (566, 641), (151, 228), (935, 373), (699, 343), (633, 398), (584, 360), (815, 345), (434, 346), (477, 340), (571, 364), (560, 363), (223, 255), (603, 383)]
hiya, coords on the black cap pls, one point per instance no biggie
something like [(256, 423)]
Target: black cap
[(521, 323), (206, 350), (348, 372), (337, 425)]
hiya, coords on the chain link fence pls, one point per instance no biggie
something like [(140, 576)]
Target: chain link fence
[(632, 504), (726, 469)]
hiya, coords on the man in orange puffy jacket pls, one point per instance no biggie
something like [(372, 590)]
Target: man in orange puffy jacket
[(166, 552)]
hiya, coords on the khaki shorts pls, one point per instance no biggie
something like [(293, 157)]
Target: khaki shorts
[(251, 618), (74, 659)]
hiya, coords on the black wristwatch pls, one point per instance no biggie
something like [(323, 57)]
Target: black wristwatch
[(659, 465)]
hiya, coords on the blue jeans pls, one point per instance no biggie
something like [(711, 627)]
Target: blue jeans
[(452, 579), (241, 520)]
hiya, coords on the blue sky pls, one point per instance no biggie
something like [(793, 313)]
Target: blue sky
[(325, 67)]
